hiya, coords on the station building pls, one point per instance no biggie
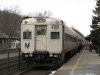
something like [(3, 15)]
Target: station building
[(4, 41)]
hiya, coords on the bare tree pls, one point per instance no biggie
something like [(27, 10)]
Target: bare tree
[(10, 23), (43, 14)]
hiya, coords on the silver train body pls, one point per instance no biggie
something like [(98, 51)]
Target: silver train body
[(48, 40)]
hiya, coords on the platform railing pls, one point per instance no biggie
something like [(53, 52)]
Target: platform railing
[(11, 61)]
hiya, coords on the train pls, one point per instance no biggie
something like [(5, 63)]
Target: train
[(47, 40)]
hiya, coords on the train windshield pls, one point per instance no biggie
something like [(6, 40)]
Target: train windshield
[(27, 35), (41, 30), (55, 35)]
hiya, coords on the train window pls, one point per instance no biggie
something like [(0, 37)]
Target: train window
[(27, 35), (55, 35), (41, 30)]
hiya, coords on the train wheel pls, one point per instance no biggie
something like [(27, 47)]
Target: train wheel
[(55, 64)]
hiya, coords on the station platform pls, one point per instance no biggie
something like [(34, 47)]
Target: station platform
[(83, 63), (5, 55)]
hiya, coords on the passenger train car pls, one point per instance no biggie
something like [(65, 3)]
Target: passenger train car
[(48, 40)]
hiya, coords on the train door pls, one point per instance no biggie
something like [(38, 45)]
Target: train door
[(41, 37)]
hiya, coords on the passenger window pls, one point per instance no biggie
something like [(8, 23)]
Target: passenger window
[(27, 35), (41, 30), (55, 35)]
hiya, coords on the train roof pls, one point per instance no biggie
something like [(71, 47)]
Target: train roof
[(69, 31), (41, 20), (49, 21)]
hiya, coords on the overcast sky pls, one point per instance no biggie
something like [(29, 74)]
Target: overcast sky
[(76, 13)]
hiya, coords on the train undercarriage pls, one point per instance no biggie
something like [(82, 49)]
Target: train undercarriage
[(54, 60)]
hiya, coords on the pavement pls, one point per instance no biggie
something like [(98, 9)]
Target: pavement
[(83, 63)]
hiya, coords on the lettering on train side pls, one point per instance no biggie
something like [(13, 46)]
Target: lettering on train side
[(27, 45)]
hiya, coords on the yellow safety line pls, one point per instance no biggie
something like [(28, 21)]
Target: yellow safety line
[(76, 65)]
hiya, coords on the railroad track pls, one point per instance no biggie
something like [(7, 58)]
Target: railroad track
[(11, 66), (38, 71), (25, 68), (42, 70)]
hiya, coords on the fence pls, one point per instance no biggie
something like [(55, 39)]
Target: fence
[(10, 61)]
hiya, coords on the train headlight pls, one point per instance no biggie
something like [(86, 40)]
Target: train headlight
[(55, 55), (30, 55), (51, 55), (25, 22), (26, 55)]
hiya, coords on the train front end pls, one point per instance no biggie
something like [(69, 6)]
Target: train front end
[(41, 39)]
